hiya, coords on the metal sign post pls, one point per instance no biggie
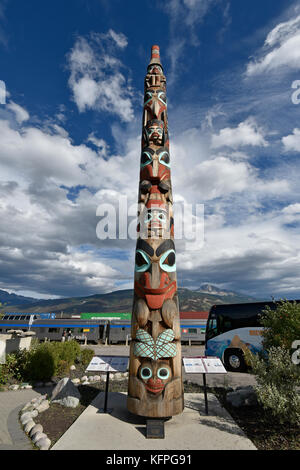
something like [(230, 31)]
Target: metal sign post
[(108, 364), (204, 365)]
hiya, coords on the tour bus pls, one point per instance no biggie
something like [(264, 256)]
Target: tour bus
[(233, 329)]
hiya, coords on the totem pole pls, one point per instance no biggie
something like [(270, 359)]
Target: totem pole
[(155, 386)]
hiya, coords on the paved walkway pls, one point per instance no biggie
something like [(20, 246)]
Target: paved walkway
[(121, 430), (12, 436)]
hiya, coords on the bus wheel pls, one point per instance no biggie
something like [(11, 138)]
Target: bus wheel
[(234, 360)]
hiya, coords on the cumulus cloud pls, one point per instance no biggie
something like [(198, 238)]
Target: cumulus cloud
[(292, 142), (20, 113), (50, 190), (96, 78), (281, 49), (246, 133)]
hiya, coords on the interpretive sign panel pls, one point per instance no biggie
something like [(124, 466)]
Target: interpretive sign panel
[(203, 365), (193, 365), (108, 364), (213, 365)]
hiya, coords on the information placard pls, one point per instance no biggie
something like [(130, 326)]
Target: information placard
[(213, 365), (108, 364), (193, 365), (203, 365)]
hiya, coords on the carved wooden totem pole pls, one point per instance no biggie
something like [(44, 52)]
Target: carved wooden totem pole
[(155, 386)]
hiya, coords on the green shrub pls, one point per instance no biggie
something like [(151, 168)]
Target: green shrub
[(281, 326), (14, 368), (86, 356), (277, 381), (69, 351), (41, 365)]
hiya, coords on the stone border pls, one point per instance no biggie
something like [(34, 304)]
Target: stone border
[(37, 405), (33, 430)]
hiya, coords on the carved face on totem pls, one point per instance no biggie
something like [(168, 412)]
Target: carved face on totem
[(155, 132), (155, 104), (155, 164), (155, 220), (155, 77), (155, 370), (155, 272), (155, 375)]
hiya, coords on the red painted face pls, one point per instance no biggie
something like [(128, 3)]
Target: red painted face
[(155, 279), (155, 165), (155, 375), (155, 104)]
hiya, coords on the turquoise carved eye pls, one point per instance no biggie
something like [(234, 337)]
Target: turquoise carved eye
[(163, 373), (146, 373), (142, 261), (164, 158), (162, 97), (168, 261), (146, 159), (148, 97)]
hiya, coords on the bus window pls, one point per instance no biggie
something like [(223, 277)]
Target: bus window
[(212, 329)]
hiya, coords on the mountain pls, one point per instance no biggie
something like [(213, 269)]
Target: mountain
[(14, 299), (121, 301)]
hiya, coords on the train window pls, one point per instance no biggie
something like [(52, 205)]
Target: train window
[(17, 317), (27, 317), (11, 317), (53, 330), (35, 317), (193, 330)]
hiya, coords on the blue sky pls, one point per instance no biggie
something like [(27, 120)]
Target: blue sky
[(70, 139)]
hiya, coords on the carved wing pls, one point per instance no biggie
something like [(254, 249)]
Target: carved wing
[(164, 345), (146, 346)]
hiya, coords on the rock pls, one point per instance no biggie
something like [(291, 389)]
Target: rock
[(28, 414), (66, 393), (43, 443), (85, 383), (97, 378), (75, 381), (117, 376), (28, 426), (14, 387), (73, 368), (43, 406), (49, 384), (245, 387), (34, 400), (38, 428), (84, 378), (37, 436), (25, 420), (28, 407), (242, 396)]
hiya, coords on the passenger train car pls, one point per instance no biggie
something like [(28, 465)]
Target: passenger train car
[(110, 328)]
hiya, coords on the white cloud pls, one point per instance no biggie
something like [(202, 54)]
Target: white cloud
[(246, 133), (96, 79), (281, 49), (48, 242), (292, 142), (20, 113)]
